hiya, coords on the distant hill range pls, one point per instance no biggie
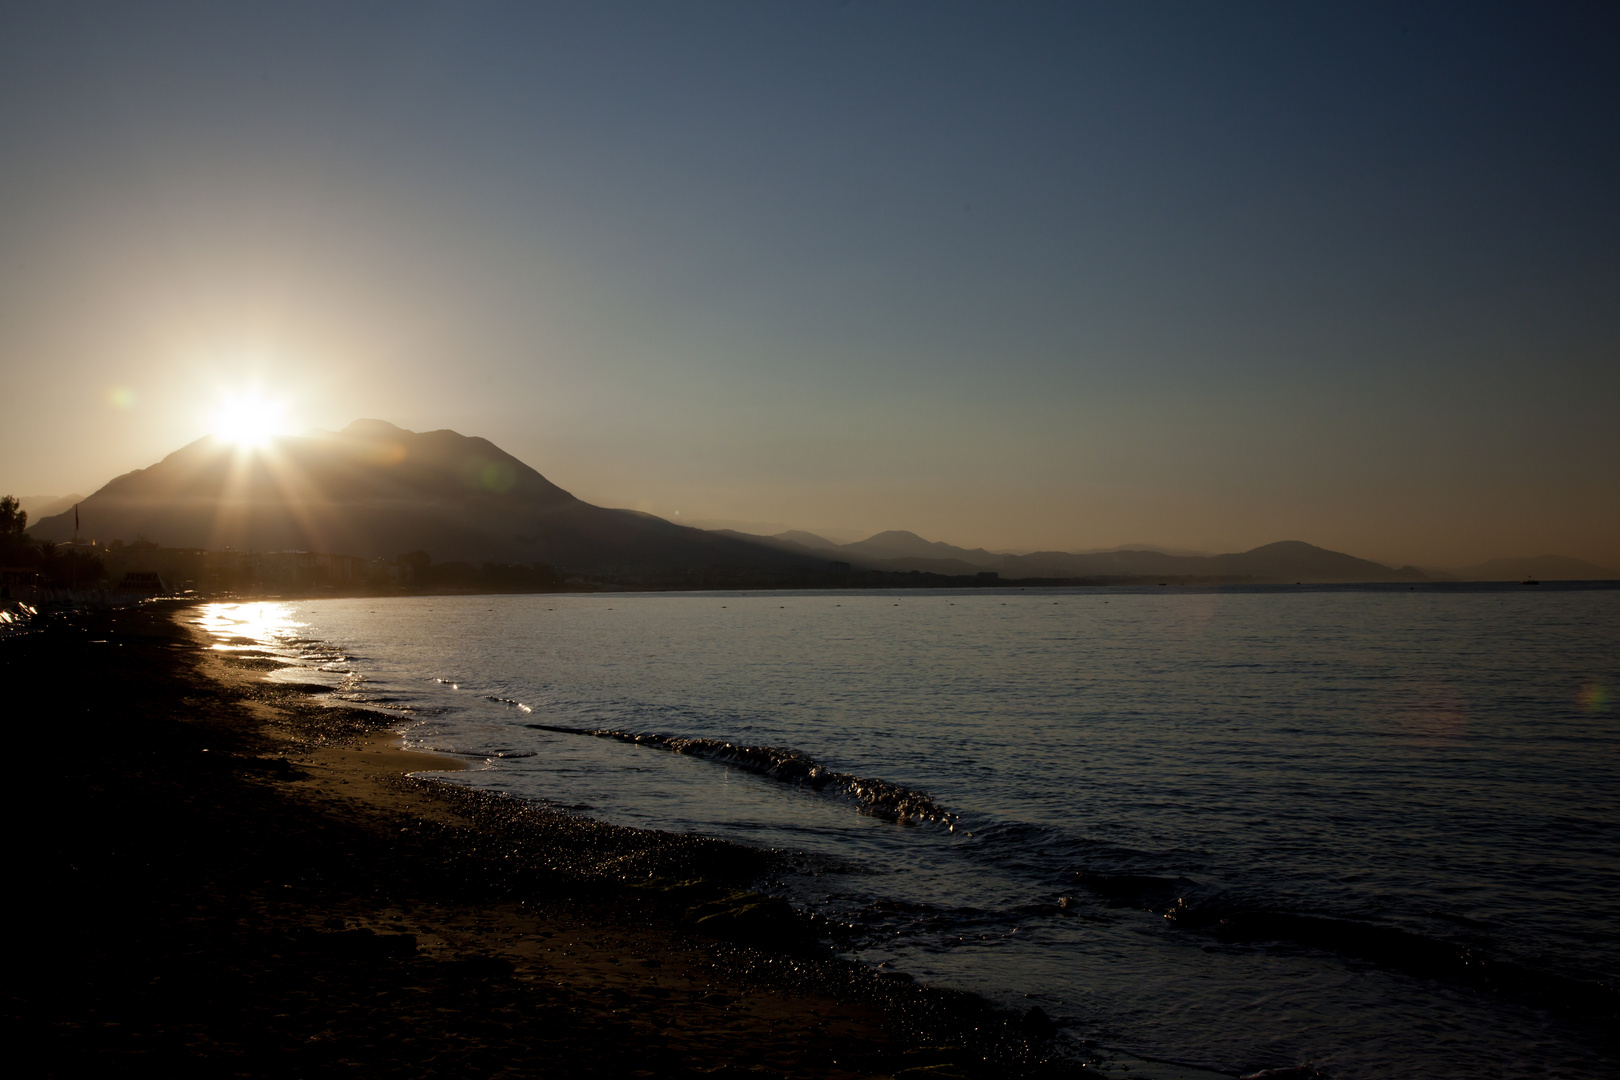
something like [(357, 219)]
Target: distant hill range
[(1285, 561), (374, 490)]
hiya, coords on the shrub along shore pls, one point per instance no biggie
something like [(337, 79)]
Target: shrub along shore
[(224, 876)]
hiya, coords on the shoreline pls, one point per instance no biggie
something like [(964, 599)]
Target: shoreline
[(214, 845), (103, 599)]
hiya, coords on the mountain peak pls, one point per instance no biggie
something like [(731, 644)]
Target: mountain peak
[(1285, 547), (374, 429)]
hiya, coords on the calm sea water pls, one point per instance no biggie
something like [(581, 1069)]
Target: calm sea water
[(1376, 831)]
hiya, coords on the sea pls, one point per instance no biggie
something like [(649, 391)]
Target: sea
[(1370, 830)]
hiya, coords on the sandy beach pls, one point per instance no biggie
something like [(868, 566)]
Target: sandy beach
[(224, 876)]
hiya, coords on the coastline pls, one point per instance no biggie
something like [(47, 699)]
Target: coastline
[(229, 874)]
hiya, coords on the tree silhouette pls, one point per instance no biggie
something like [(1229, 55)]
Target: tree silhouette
[(13, 523), (13, 520)]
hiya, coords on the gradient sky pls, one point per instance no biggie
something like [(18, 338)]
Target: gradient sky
[(1053, 276)]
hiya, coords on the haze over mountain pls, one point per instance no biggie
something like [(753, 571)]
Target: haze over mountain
[(38, 507)]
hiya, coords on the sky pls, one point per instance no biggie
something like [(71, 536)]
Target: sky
[(1022, 276)]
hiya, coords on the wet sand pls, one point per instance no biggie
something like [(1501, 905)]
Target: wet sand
[(223, 876)]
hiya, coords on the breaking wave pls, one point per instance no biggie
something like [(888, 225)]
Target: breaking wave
[(877, 797)]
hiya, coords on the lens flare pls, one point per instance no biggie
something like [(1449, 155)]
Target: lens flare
[(1594, 697)]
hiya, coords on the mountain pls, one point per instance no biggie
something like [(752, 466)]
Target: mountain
[(806, 540), (898, 544), (895, 550), (1285, 561), (376, 490), (1542, 567)]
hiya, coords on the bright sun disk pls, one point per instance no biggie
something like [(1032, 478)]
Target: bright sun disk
[(248, 420)]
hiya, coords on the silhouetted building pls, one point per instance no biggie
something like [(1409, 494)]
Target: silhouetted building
[(142, 583)]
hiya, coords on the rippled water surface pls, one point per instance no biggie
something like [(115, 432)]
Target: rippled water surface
[(1373, 830)]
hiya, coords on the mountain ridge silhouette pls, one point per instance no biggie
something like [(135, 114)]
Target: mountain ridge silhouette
[(1282, 561), (375, 490)]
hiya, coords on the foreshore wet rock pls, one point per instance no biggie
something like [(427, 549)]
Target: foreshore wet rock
[(1037, 1024), (362, 943), (750, 918)]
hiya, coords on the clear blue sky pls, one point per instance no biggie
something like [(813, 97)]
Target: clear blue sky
[(1026, 276)]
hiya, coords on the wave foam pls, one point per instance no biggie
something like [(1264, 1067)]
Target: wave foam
[(876, 797)]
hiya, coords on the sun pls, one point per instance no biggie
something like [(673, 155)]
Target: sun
[(248, 419)]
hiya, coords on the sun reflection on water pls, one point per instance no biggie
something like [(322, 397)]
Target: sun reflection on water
[(249, 625)]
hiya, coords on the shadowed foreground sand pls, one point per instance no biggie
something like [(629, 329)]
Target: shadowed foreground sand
[(223, 877)]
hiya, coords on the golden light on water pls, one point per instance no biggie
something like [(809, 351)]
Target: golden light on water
[(249, 419), (248, 625)]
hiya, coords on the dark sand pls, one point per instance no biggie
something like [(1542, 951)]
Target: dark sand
[(212, 875)]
